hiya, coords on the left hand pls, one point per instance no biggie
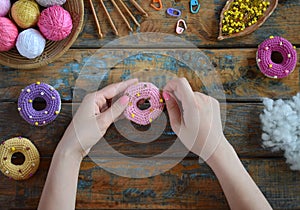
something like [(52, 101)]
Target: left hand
[(93, 117)]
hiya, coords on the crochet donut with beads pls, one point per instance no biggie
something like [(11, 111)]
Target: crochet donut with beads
[(18, 145), (143, 91), (270, 68), (39, 117)]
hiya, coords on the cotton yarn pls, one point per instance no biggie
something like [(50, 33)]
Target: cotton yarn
[(48, 94), (49, 3), (4, 7), (30, 43), (25, 13), (55, 23), (145, 91), (285, 49), (8, 34)]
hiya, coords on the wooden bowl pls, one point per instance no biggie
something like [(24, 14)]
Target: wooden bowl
[(53, 50), (249, 29)]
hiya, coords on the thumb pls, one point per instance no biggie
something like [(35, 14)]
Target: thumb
[(112, 113), (173, 110)]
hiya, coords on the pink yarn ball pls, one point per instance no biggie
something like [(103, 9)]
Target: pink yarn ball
[(4, 7), (55, 23), (8, 34)]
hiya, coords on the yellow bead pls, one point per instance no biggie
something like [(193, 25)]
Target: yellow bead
[(38, 83), (56, 112), (161, 100), (271, 37), (30, 101), (13, 149), (270, 66), (150, 120), (36, 123), (138, 94), (130, 103), (294, 47), (132, 115)]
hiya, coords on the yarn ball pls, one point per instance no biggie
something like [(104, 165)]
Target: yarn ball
[(55, 23), (30, 43), (4, 7), (281, 128), (25, 13), (8, 34), (49, 3)]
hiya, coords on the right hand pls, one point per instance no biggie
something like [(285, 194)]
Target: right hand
[(194, 117)]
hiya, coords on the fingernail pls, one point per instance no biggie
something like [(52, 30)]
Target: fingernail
[(124, 100), (166, 96)]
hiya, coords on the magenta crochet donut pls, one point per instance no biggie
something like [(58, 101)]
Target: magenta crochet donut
[(139, 94), (276, 57)]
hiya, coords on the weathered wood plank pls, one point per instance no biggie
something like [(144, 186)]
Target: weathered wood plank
[(186, 186), (242, 129), (202, 27), (237, 69)]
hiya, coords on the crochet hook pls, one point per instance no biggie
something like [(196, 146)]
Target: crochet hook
[(109, 18), (96, 19), (122, 15), (139, 8), (129, 13)]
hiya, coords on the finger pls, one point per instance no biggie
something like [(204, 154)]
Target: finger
[(112, 90), (110, 115), (173, 111), (184, 93)]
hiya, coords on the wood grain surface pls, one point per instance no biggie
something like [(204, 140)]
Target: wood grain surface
[(188, 185)]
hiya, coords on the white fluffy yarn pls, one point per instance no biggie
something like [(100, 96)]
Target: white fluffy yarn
[(281, 125), (30, 43), (49, 3)]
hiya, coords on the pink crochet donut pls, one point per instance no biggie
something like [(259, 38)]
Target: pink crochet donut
[(138, 94), (276, 57)]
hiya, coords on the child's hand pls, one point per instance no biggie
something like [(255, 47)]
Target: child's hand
[(194, 117), (93, 117)]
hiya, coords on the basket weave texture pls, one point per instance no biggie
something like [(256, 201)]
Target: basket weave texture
[(53, 50)]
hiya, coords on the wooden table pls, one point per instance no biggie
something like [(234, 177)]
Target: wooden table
[(188, 185)]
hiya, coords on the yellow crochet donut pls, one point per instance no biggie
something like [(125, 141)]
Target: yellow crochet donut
[(18, 145)]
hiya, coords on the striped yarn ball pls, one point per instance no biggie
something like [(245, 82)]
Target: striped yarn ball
[(55, 23), (8, 34), (4, 7), (49, 3), (30, 43), (25, 13)]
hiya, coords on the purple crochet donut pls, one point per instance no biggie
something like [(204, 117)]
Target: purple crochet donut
[(45, 92), (139, 94), (280, 66)]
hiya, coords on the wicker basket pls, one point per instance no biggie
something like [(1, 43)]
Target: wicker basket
[(53, 50)]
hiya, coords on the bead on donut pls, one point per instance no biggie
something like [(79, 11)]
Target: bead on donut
[(287, 52), (18, 145), (48, 94), (143, 91)]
